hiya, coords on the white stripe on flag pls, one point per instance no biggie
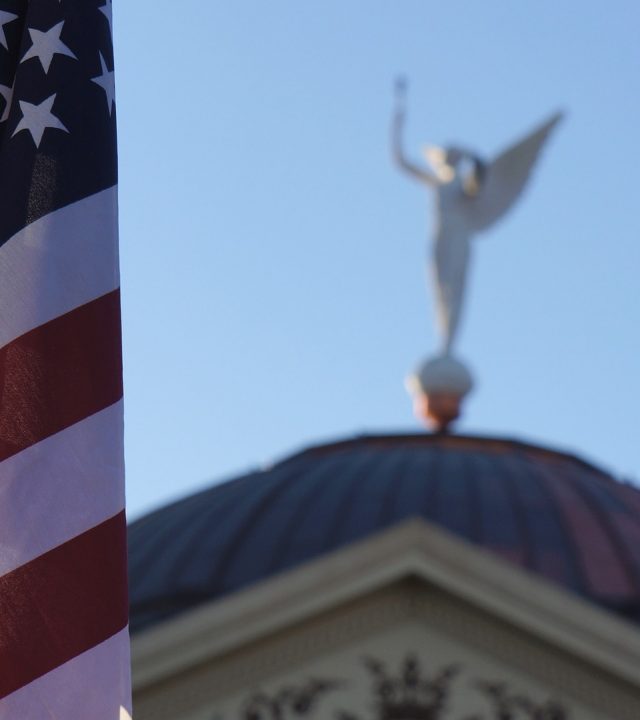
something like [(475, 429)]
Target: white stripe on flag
[(92, 686), (76, 474), (58, 263)]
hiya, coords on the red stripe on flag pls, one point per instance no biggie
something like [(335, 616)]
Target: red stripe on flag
[(59, 373), (62, 603)]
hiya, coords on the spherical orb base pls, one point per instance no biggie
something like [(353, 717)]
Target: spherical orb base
[(438, 388)]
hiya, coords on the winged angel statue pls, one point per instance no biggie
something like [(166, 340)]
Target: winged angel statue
[(470, 195)]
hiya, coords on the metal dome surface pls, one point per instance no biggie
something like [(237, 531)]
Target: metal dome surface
[(546, 511)]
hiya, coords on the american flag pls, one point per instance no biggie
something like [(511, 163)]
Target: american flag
[(64, 651)]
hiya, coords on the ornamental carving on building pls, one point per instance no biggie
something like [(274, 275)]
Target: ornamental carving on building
[(411, 694), (288, 702)]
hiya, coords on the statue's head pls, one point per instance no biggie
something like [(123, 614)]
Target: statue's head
[(443, 161), (450, 161)]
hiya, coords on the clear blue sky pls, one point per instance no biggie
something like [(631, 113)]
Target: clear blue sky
[(273, 259)]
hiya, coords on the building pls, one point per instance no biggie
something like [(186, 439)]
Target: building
[(413, 577)]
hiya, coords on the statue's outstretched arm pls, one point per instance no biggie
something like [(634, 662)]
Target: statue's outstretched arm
[(397, 150)]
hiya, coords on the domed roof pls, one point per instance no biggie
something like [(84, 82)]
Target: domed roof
[(546, 511)]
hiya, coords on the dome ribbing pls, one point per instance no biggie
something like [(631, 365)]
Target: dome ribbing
[(546, 511)]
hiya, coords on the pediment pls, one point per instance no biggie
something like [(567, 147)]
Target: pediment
[(413, 573)]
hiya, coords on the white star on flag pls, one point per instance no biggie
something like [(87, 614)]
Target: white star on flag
[(106, 10), (46, 45), (7, 93), (37, 118), (5, 17), (107, 83)]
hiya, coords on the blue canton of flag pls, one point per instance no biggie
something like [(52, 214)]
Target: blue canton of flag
[(57, 106)]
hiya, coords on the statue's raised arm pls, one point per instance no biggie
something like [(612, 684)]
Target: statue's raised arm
[(397, 145)]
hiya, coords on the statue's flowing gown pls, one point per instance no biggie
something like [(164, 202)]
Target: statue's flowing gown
[(451, 248)]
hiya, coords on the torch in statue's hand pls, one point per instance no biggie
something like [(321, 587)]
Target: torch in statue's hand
[(400, 88)]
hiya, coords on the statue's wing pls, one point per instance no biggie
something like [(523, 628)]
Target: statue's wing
[(505, 178)]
